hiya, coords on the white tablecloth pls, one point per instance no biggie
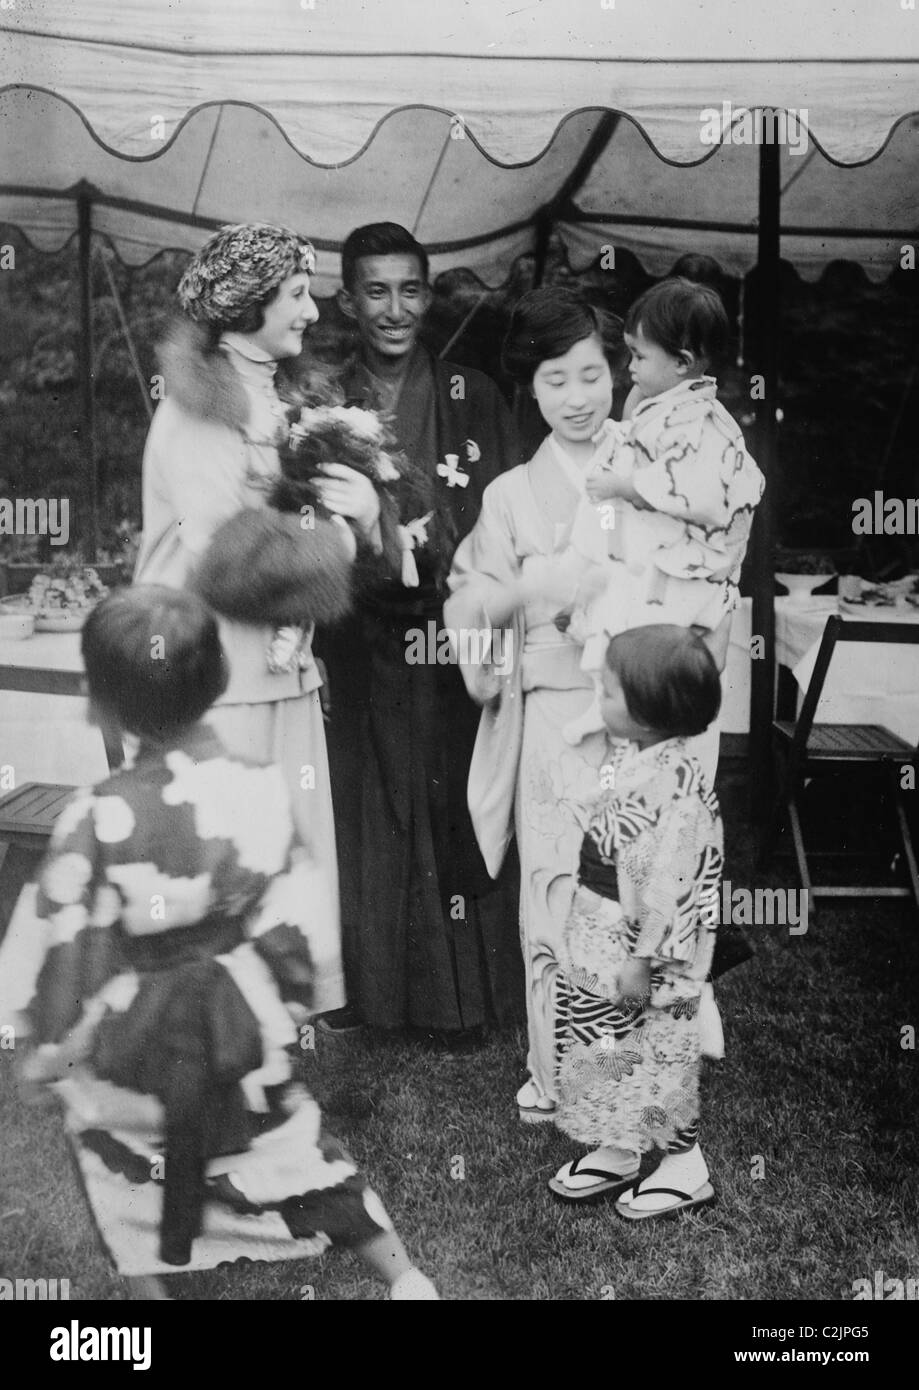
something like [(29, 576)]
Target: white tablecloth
[(866, 684), (46, 738)]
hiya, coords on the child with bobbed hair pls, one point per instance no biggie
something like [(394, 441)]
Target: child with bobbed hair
[(640, 935), (186, 938), (670, 500)]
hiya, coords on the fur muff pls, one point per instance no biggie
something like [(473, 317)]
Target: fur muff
[(263, 566)]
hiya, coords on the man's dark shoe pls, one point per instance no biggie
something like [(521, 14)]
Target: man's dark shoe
[(346, 1020)]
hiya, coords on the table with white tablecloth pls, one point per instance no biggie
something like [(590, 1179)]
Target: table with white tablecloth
[(866, 684), (47, 738)]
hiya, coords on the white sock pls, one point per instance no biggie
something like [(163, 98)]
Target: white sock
[(612, 1160), (685, 1172), (414, 1285)]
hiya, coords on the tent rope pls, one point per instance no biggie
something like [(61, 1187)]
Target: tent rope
[(207, 160), (126, 330), (427, 192), (462, 328)]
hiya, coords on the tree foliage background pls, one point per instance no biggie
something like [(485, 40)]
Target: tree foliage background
[(849, 388)]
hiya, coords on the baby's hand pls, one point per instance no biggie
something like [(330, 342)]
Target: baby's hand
[(601, 483), (635, 979), (607, 439)]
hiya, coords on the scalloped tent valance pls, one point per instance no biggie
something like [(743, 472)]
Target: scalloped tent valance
[(330, 73), (464, 123), (232, 162)]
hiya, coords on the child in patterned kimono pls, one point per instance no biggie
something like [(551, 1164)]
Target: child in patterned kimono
[(669, 501), (640, 936), (183, 937)]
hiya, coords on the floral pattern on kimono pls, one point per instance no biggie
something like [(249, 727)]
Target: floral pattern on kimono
[(628, 1071)]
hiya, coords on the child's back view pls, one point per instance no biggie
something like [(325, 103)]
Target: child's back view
[(185, 935)]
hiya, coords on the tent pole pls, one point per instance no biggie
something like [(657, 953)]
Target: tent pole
[(88, 430), (762, 681), (562, 201), (543, 236)]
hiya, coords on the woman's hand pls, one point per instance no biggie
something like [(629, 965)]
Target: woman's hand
[(635, 979), (350, 494)]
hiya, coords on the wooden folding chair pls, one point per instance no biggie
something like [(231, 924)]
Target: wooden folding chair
[(28, 813), (809, 750)]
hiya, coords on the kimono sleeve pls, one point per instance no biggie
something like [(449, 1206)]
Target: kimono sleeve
[(485, 563), (504, 450), (706, 479), (75, 909), (295, 930), (674, 900)]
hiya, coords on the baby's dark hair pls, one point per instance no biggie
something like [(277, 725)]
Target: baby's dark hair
[(668, 677), (680, 315), (546, 323), (153, 659)]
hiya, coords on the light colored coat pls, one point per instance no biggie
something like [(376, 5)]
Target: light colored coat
[(212, 451)]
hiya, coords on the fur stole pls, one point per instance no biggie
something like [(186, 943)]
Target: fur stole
[(200, 378)]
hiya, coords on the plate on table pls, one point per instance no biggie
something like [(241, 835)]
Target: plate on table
[(895, 601), (62, 620), (68, 620)]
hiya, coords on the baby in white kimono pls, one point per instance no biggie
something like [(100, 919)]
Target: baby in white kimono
[(670, 495)]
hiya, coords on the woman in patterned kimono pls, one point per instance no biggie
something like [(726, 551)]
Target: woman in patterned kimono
[(512, 574), (179, 937), (640, 935)]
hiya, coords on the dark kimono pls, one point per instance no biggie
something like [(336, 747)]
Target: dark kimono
[(176, 923), (429, 939)]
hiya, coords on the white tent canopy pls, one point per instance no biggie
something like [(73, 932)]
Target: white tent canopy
[(230, 163), (462, 122), (330, 72)]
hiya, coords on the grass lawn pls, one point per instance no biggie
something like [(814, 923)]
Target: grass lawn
[(815, 1084)]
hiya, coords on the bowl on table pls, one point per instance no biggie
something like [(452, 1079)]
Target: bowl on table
[(63, 595), (66, 620), (801, 586), (17, 621)]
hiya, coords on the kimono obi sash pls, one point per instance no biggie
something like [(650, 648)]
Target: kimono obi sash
[(593, 873), (551, 661), (163, 950)]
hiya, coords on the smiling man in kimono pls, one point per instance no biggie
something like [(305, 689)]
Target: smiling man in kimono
[(430, 940)]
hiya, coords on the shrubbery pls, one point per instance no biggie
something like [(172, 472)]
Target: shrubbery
[(847, 358)]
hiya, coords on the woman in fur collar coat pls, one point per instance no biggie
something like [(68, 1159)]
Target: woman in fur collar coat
[(212, 451)]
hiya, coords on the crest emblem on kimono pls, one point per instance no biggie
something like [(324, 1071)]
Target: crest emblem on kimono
[(451, 472)]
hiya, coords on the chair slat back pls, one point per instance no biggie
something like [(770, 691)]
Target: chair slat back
[(839, 629), (34, 680), (856, 630)]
